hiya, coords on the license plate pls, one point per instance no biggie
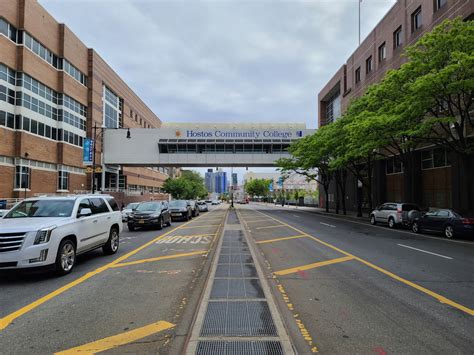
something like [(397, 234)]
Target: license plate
[(141, 222)]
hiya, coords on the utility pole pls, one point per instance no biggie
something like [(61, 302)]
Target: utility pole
[(359, 20)]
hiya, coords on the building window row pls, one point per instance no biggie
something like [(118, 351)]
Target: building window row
[(7, 95), (40, 89), (73, 120), (333, 107), (74, 72), (8, 30), (170, 148), (44, 53), (22, 177), (113, 106), (24, 123), (38, 106)]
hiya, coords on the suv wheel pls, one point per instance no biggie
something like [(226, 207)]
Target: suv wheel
[(372, 220), (112, 244), (449, 231), (391, 223), (66, 257), (415, 227)]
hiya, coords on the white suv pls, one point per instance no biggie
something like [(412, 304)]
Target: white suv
[(54, 230)]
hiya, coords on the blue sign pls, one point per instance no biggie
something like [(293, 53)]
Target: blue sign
[(270, 187), (88, 151), (280, 181)]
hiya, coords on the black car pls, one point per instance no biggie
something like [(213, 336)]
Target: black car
[(451, 223), (181, 209), (149, 214)]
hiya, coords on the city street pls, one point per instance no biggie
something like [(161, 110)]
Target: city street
[(349, 287), (151, 286)]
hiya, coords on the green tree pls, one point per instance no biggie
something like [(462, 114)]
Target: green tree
[(190, 185), (258, 187)]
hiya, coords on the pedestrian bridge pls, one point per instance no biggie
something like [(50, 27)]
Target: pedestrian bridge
[(201, 145)]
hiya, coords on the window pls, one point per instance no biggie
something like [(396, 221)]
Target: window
[(22, 177), (382, 52), (439, 4), (8, 30), (394, 166), (416, 20), (98, 206), (368, 65), (63, 180), (112, 109), (74, 72), (434, 158), (113, 204), (43, 52), (357, 75)]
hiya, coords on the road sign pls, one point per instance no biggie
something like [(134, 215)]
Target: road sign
[(88, 151)]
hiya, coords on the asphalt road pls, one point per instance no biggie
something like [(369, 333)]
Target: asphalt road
[(348, 287), (145, 301)]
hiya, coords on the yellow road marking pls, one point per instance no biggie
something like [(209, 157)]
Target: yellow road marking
[(283, 238), (118, 340), (313, 266), (209, 225), (257, 220), (165, 257), (435, 295), (274, 226), (5, 321), (194, 235)]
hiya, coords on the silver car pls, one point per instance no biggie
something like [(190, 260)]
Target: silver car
[(395, 214)]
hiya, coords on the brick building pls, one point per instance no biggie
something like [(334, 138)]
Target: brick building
[(381, 50), (53, 90)]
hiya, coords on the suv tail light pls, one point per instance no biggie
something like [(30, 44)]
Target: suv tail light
[(468, 221)]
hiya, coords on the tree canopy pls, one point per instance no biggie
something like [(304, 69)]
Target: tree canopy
[(190, 185), (258, 187)]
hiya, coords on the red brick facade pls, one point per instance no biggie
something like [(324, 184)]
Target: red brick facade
[(46, 156)]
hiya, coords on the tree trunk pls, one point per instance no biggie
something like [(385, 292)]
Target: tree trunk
[(343, 191), (369, 183), (326, 192), (338, 179)]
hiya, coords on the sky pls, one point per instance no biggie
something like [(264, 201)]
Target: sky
[(223, 60)]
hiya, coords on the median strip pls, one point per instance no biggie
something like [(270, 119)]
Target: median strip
[(312, 266), (119, 339), (209, 225)]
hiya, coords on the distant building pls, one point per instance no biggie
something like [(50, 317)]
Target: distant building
[(216, 182)]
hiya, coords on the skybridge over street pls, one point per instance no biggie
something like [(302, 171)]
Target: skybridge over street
[(202, 145)]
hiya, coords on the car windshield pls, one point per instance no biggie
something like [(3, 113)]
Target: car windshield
[(177, 203), (149, 206), (42, 208), (131, 206)]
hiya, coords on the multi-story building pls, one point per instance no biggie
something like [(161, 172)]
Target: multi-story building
[(402, 26), (54, 91), (216, 182)]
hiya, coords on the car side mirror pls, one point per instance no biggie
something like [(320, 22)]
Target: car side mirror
[(84, 212)]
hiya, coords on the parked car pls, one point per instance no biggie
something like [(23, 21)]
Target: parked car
[(128, 210), (52, 231), (202, 206), (451, 223), (395, 214), (180, 209), (3, 213), (208, 201), (150, 214), (215, 202), (194, 208)]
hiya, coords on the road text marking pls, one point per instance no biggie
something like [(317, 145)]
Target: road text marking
[(313, 266), (425, 251), (119, 339), (283, 238)]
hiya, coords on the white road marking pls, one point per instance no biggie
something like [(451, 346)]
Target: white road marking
[(424, 251), (296, 216), (329, 225)]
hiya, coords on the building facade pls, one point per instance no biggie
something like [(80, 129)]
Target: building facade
[(216, 182), (435, 178), (54, 93)]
